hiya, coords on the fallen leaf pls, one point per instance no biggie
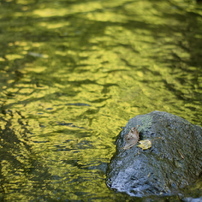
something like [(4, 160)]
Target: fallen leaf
[(145, 144), (131, 138)]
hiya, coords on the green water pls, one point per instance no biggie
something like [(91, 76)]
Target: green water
[(72, 73)]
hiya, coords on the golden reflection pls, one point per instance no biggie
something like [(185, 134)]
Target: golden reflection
[(106, 17), (14, 56), (53, 25), (36, 69), (78, 8), (73, 75), (50, 12)]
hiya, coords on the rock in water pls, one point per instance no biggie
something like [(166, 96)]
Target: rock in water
[(172, 162)]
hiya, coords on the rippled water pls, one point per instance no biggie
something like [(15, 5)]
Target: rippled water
[(72, 73)]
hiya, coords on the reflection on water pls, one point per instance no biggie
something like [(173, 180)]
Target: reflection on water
[(73, 73)]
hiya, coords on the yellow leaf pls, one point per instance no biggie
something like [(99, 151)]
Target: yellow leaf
[(145, 144)]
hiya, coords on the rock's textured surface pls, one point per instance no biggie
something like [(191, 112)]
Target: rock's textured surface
[(173, 161)]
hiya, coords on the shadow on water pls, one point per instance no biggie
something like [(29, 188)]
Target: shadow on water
[(181, 54), (19, 167), (187, 69)]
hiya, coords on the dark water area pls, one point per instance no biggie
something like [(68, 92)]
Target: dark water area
[(72, 73)]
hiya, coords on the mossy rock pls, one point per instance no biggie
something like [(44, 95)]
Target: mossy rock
[(173, 162)]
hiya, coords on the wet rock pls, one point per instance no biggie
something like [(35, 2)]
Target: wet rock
[(172, 162)]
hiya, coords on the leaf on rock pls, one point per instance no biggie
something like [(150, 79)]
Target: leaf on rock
[(131, 138), (145, 144)]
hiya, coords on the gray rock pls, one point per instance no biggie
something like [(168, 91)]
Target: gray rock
[(172, 162), (193, 199)]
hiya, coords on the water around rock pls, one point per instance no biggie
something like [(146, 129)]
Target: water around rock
[(172, 162)]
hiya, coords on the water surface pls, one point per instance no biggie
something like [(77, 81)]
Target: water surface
[(72, 73)]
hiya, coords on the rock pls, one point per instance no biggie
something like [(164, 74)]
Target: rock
[(172, 162), (193, 199)]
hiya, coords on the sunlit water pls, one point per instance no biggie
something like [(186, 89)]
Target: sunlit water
[(72, 73)]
